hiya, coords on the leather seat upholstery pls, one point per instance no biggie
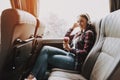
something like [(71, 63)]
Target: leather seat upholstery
[(0, 34), (14, 24), (109, 54), (103, 62)]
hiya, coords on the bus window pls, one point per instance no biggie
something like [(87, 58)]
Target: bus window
[(59, 15), (4, 4)]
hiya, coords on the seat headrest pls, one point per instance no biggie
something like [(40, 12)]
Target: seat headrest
[(111, 25), (15, 24)]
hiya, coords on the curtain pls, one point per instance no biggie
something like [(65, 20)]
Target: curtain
[(114, 5), (31, 6)]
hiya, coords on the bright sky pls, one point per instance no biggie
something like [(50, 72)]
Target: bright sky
[(4, 4), (70, 9), (67, 10)]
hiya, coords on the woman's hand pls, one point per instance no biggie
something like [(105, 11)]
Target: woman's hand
[(30, 77), (66, 45), (75, 25)]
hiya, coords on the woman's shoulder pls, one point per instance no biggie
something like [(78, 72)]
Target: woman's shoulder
[(91, 29)]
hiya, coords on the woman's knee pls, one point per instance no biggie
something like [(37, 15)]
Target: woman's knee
[(45, 48)]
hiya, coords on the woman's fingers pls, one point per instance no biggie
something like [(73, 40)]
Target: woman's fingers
[(75, 25), (66, 39), (66, 46)]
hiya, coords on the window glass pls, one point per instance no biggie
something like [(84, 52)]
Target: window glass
[(4, 4), (59, 15)]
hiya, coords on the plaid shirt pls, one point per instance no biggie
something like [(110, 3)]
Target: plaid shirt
[(84, 43)]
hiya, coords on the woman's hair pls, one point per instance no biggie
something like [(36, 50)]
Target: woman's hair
[(86, 16)]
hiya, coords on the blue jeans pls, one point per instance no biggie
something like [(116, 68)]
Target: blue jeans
[(55, 57)]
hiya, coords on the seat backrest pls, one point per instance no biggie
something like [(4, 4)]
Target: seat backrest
[(14, 24), (0, 34), (90, 61), (96, 24), (0, 30), (109, 48)]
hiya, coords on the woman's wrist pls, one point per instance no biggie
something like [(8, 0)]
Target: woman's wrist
[(69, 48)]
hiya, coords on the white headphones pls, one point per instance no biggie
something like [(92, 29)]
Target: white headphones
[(88, 17)]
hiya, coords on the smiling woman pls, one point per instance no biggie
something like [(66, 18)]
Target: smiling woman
[(59, 15)]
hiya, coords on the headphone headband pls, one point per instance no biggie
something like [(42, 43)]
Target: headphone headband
[(87, 16)]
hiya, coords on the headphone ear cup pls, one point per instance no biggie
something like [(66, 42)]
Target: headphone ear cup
[(87, 15), (89, 22)]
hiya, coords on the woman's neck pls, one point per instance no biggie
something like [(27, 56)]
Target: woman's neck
[(82, 30), (84, 27)]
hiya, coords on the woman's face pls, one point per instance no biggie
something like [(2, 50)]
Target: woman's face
[(82, 22)]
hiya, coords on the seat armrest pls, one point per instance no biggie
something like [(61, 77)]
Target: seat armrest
[(63, 70)]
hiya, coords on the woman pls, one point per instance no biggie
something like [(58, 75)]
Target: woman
[(75, 54)]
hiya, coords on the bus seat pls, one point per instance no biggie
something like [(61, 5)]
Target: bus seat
[(107, 63), (0, 34), (14, 24), (96, 24)]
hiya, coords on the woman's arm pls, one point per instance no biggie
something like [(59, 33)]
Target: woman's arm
[(68, 34)]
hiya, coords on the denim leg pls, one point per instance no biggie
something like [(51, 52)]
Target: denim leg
[(62, 61), (40, 65), (44, 58)]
